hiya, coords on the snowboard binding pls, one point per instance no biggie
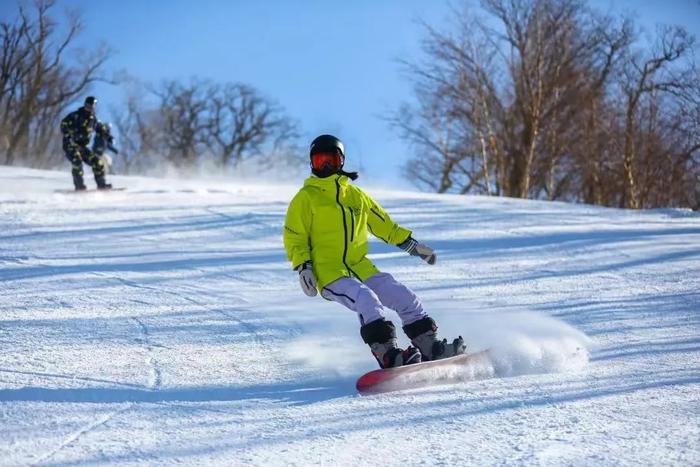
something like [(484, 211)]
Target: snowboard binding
[(380, 335)]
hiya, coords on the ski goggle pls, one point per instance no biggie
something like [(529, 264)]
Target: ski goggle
[(326, 159)]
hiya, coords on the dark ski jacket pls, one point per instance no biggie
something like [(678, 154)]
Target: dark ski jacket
[(103, 140), (77, 127)]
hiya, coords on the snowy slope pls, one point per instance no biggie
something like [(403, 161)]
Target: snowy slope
[(162, 325)]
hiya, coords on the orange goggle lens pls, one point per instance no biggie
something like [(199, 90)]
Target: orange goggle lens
[(325, 159)]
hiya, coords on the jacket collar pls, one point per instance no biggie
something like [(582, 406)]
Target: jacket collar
[(327, 182)]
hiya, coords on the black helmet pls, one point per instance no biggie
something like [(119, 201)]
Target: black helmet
[(326, 143), (90, 101), (103, 127), (329, 156)]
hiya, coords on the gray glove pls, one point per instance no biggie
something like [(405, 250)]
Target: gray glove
[(307, 279), (415, 248)]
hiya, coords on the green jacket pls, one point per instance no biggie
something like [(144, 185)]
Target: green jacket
[(327, 223)]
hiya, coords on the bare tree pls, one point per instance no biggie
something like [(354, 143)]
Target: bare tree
[(596, 122), (38, 81), (454, 129), (242, 124), (139, 129), (183, 109), (644, 76), (525, 102), (201, 123)]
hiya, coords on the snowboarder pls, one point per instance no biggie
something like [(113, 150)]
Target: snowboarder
[(325, 236), (102, 142), (77, 128)]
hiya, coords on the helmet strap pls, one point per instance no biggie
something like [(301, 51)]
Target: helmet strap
[(351, 175)]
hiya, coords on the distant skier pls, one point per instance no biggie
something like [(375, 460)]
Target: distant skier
[(102, 142), (77, 128), (325, 236)]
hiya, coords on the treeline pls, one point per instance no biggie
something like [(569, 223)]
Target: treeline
[(544, 99), (203, 123), (184, 125), (549, 99)]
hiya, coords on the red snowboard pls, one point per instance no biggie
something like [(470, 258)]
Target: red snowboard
[(465, 367)]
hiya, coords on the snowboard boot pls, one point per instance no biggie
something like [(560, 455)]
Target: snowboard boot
[(101, 184), (380, 335), (423, 334), (78, 182), (389, 355)]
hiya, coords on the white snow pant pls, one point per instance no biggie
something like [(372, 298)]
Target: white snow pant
[(368, 299)]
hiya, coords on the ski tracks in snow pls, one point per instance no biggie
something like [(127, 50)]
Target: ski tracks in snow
[(155, 383), (144, 338), (74, 437), (157, 374)]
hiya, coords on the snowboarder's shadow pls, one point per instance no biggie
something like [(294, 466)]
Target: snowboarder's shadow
[(306, 392)]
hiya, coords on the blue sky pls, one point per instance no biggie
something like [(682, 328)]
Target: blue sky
[(333, 65)]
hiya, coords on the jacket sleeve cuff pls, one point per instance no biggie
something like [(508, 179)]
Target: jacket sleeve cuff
[(401, 235), (299, 260)]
